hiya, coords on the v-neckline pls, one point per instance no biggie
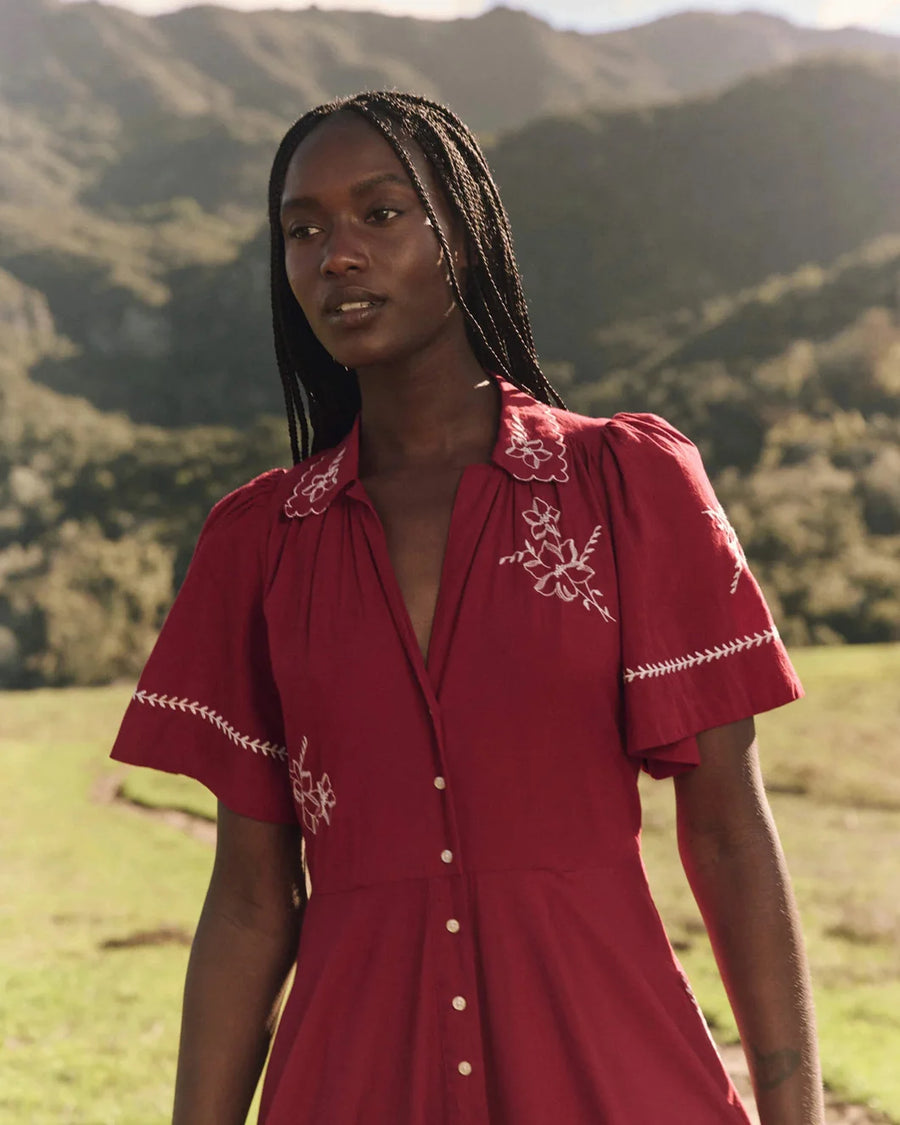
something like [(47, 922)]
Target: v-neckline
[(428, 666)]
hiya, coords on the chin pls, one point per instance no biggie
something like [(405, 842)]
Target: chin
[(362, 356)]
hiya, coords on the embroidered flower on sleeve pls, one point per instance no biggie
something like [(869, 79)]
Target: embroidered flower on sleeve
[(557, 566), (717, 515), (314, 798)]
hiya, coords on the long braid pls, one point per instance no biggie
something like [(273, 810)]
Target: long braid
[(321, 397)]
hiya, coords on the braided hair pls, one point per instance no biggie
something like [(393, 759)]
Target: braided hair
[(321, 396)]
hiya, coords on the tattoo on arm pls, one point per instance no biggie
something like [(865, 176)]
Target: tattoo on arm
[(771, 1069)]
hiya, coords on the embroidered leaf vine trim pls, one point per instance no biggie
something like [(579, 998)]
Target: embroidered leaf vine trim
[(717, 515), (558, 568), (706, 656), (315, 798), (192, 707)]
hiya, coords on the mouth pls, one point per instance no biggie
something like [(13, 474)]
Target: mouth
[(352, 307)]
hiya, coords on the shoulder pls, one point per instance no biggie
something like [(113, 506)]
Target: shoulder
[(630, 444), (249, 507), (622, 431)]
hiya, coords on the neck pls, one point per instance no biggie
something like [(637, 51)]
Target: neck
[(422, 415)]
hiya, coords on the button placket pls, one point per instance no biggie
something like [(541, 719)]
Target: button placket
[(457, 1007)]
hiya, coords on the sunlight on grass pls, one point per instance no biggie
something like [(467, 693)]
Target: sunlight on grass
[(98, 901), (831, 766)]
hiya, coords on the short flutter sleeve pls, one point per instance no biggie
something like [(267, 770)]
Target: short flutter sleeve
[(699, 646), (206, 704)]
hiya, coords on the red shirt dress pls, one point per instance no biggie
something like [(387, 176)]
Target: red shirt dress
[(480, 946)]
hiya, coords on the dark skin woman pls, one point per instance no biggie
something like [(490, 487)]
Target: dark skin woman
[(386, 271)]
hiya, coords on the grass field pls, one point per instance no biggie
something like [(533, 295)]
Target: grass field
[(97, 902)]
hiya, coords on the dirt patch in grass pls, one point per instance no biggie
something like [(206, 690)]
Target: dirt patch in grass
[(115, 789), (163, 935)]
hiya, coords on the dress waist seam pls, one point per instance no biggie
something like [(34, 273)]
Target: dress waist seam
[(467, 873)]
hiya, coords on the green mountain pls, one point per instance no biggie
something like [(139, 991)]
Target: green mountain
[(704, 232), (679, 203), (617, 215), (792, 390)]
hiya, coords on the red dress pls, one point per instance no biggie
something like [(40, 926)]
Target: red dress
[(480, 946)]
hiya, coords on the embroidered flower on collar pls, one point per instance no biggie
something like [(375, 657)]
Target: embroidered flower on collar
[(313, 487), (323, 481), (559, 568), (534, 447), (315, 798), (531, 450)]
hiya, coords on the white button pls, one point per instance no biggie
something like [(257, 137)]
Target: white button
[(452, 925), (439, 783), (459, 1002), (447, 855), (464, 1067)]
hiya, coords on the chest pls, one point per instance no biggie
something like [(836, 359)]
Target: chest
[(480, 574), (415, 514)]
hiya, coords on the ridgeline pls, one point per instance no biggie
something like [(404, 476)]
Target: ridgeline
[(707, 215)]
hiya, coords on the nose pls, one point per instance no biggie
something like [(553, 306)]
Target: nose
[(342, 252)]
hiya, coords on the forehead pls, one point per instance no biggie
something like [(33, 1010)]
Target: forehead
[(343, 150)]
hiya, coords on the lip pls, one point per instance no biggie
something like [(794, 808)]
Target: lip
[(368, 301)]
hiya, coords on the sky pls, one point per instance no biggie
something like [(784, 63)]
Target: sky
[(588, 15)]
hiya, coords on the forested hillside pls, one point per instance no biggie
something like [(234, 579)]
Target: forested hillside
[(730, 260)]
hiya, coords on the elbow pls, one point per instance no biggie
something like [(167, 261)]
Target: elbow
[(727, 847)]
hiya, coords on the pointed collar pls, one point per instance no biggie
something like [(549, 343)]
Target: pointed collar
[(530, 446)]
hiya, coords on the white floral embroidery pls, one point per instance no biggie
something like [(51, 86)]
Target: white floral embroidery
[(717, 515), (559, 568), (192, 707), (315, 798), (542, 519), (532, 451), (314, 487), (321, 482), (706, 656)]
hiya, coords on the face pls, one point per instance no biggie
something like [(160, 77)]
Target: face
[(361, 258)]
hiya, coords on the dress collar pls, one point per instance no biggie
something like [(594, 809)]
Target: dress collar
[(530, 446)]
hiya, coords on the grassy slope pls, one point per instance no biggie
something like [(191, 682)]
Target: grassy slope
[(831, 765), (89, 1034)]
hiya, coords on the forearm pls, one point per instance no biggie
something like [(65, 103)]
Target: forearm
[(236, 973), (743, 891)]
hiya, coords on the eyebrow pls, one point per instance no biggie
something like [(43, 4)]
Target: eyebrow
[(362, 187)]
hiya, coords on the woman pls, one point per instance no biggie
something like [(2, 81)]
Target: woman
[(440, 648)]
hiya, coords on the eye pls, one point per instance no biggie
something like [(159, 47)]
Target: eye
[(301, 231), (383, 214)]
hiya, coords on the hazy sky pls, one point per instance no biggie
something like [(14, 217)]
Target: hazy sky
[(589, 15)]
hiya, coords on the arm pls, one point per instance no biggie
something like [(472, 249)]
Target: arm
[(733, 860), (244, 947)]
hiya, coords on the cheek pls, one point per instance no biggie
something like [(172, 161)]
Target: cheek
[(300, 279), (429, 276)]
